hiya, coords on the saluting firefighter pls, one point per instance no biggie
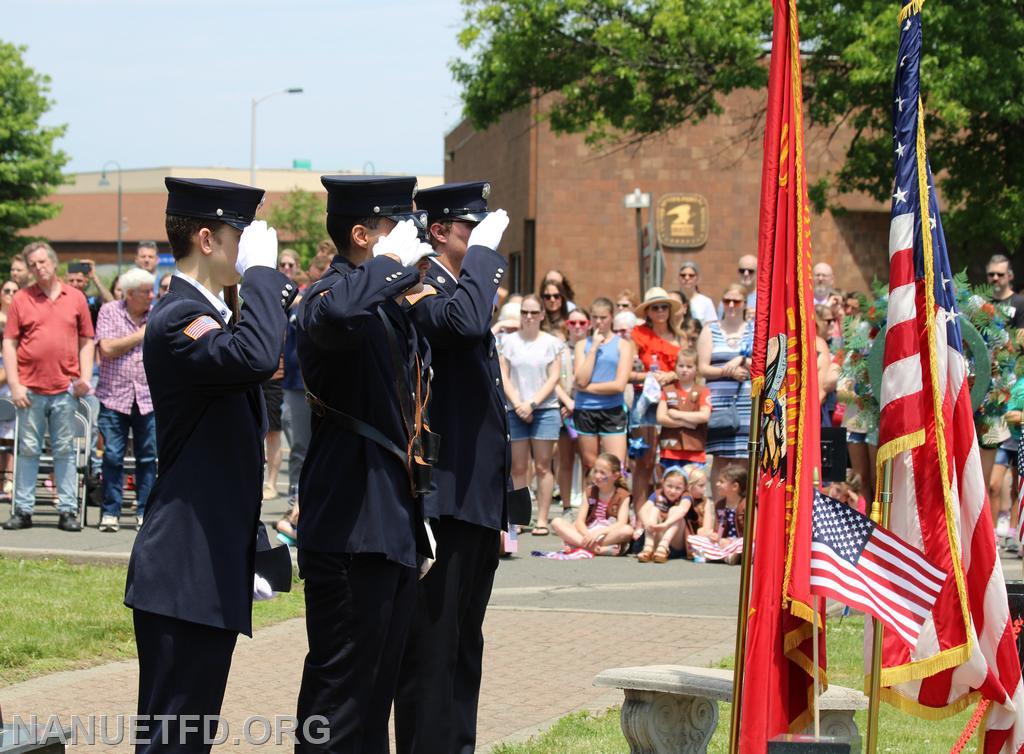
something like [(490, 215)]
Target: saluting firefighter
[(366, 371), (436, 708), (191, 574)]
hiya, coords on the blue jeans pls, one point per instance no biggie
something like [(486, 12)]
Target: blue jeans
[(56, 413), (114, 425)]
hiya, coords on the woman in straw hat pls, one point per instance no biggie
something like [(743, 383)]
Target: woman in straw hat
[(657, 340)]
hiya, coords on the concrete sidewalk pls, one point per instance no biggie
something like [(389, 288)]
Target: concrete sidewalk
[(538, 666)]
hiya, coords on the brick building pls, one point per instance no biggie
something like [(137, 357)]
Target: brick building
[(566, 199)]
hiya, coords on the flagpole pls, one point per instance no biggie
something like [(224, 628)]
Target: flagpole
[(753, 457), (880, 515)]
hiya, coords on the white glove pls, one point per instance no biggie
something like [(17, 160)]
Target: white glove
[(404, 243), (261, 589), (488, 232), (401, 239), (257, 247)]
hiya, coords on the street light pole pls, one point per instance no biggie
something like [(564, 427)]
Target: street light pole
[(638, 200), (120, 216), (252, 127)]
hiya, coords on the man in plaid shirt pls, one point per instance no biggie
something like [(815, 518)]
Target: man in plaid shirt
[(123, 392)]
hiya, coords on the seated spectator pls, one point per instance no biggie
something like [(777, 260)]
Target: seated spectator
[(683, 413), (721, 535), (662, 517), (81, 279), (123, 392), (697, 483), (601, 368), (46, 378), (530, 368), (602, 522)]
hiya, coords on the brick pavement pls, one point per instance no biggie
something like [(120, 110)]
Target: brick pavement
[(538, 666)]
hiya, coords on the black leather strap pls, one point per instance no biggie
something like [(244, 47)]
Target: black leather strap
[(356, 426)]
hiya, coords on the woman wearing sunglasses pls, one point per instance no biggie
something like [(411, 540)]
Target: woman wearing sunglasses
[(556, 308), (723, 360), (657, 339), (576, 327)]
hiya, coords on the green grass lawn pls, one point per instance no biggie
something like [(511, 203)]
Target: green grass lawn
[(57, 616), (898, 733)]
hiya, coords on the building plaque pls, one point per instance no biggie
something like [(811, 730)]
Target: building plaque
[(682, 220)]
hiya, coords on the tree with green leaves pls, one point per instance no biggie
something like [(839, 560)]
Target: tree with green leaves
[(30, 165), (301, 215), (623, 71)]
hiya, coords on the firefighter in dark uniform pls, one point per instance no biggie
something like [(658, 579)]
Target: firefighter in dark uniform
[(191, 574), (436, 707), (366, 371)]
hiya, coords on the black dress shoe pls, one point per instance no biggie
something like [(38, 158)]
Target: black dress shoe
[(69, 522), (18, 521)]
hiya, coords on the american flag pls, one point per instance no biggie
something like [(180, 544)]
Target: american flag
[(867, 567), (966, 648), (1020, 491)]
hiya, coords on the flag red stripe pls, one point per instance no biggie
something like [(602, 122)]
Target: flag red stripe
[(909, 571)]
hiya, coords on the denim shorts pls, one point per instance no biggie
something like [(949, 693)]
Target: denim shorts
[(1006, 458), (545, 425)]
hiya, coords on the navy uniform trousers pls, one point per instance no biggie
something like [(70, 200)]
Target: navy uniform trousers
[(183, 669)]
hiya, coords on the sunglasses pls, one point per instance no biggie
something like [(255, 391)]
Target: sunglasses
[(659, 307), (687, 275), (732, 301), (9, 291), (578, 323), (624, 306), (746, 271), (287, 264), (552, 296), (530, 312), (622, 331)]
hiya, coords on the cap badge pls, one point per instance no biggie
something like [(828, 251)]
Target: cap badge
[(376, 210), (220, 212), (485, 191)]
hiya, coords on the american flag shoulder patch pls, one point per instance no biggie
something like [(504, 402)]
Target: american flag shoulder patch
[(198, 327), (428, 290)]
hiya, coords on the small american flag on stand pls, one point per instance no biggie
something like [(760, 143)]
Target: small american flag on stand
[(1020, 490), (862, 565)]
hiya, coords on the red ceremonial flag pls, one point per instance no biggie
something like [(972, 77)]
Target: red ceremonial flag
[(778, 686), (966, 650)]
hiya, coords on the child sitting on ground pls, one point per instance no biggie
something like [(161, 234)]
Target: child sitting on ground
[(697, 482), (662, 516), (721, 536), (602, 522), (683, 413)]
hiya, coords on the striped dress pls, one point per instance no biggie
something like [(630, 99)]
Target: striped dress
[(725, 390)]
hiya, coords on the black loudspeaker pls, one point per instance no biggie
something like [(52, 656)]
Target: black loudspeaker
[(833, 454), (802, 744)]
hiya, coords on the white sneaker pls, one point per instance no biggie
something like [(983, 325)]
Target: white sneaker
[(138, 522), (1003, 525), (109, 523)]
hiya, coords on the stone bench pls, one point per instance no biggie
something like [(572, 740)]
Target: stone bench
[(674, 708)]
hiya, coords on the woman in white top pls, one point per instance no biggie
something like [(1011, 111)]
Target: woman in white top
[(702, 308), (530, 367)]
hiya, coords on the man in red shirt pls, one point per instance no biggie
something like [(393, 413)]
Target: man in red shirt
[(48, 355)]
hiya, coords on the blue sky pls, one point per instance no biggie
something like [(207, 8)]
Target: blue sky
[(160, 82)]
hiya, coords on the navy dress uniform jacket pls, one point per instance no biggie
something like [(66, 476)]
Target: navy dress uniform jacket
[(356, 496), (467, 404), (193, 557)]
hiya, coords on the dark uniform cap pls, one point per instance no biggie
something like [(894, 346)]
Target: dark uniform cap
[(455, 201), (361, 196), (211, 199)]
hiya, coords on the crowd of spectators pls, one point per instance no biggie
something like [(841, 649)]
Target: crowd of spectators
[(624, 411)]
